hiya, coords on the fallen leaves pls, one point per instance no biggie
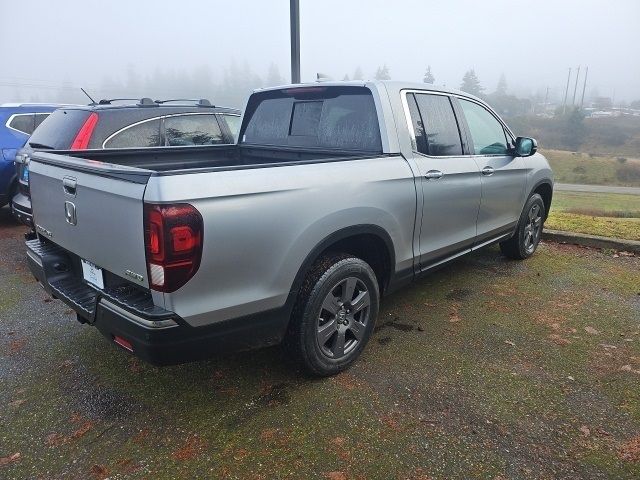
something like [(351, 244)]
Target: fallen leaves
[(335, 475), (509, 342), (10, 459), (99, 471), (193, 446), (57, 439), (586, 431), (454, 315), (17, 403), (17, 345), (591, 331), (630, 450)]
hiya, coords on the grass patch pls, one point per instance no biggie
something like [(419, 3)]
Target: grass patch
[(597, 204), (590, 169), (604, 214), (626, 228)]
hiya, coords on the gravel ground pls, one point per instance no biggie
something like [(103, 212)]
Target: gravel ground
[(486, 369)]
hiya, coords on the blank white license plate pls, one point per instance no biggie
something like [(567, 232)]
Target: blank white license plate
[(92, 274)]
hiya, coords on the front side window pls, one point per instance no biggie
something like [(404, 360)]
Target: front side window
[(435, 125), (23, 123), (486, 131), (189, 130), (145, 134)]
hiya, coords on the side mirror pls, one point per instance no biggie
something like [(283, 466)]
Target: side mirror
[(525, 146)]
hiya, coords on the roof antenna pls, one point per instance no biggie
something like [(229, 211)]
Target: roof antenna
[(85, 92)]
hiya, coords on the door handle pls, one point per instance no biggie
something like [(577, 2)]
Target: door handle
[(488, 171), (433, 174), (69, 186)]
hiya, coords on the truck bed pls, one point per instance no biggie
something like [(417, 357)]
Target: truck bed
[(167, 159)]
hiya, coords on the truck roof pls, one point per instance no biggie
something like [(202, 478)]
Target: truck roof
[(395, 85)]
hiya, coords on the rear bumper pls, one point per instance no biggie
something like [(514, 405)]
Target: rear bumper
[(154, 334), (21, 209)]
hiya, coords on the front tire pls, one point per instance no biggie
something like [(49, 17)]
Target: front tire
[(334, 315), (525, 241)]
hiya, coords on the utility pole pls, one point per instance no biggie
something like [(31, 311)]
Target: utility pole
[(566, 92), (584, 86), (294, 12), (575, 88)]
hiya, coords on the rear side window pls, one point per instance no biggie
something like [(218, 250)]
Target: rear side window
[(22, 123), (39, 119), (186, 130), (486, 131), (140, 135), (342, 118), (434, 124), (233, 122), (59, 129)]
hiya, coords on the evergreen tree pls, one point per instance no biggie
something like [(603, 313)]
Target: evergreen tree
[(501, 88), (273, 76), (471, 84), (383, 73), (428, 76), (357, 75), (346, 77)]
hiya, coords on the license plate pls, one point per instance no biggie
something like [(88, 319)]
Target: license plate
[(92, 274)]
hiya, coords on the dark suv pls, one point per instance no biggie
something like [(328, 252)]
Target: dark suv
[(111, 124)]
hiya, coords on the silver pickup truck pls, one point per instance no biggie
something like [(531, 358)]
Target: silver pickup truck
[(336, 194)]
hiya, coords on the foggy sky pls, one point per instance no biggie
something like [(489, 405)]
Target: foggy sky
[(44, 44)]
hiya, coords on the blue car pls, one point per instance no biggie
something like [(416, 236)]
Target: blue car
[(17, 122)]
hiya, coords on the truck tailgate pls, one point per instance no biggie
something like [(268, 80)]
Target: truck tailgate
[(92, 209)]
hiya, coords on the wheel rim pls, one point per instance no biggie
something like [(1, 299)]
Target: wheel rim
[(343, 318), (533, 228)]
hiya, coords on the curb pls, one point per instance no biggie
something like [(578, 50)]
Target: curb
[(593, 241)]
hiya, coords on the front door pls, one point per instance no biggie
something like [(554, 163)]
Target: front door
[(450, 180), (503, 175)]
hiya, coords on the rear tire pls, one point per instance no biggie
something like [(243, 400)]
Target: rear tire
[(525, 240), (334, 314)]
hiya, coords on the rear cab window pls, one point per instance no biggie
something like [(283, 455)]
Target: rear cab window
[(340, 118)]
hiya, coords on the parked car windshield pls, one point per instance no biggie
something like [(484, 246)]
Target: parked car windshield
[(342, 118)]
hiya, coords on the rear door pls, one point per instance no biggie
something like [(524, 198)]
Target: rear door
[(450, 179), (503, 174), (92, 209)]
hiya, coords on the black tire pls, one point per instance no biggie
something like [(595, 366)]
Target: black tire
[(312, 339), (525, 240)]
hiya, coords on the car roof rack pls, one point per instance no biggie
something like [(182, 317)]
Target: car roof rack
[(199, 102), (108, 101)]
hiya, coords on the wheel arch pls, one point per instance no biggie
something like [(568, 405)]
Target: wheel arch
[(369, 241), (545, 189)]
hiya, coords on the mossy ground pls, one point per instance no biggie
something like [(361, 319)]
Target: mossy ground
[(485, 369)]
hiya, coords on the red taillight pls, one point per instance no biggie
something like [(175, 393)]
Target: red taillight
[(173, 240), (81, 142)]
